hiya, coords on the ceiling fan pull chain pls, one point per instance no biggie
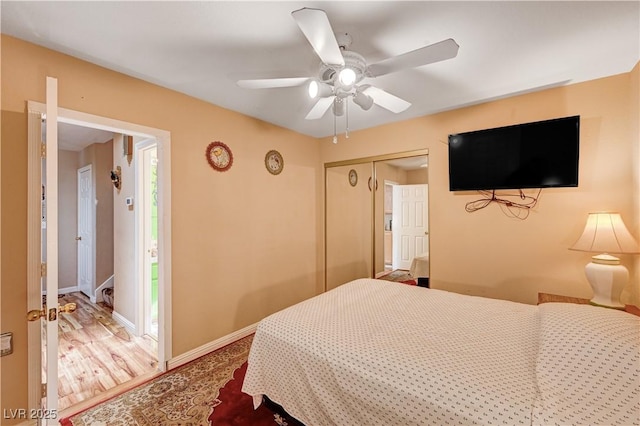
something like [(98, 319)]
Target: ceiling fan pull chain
[(346, 113), (335, 132)]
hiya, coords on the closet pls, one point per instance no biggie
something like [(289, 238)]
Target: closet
[(366, 232)]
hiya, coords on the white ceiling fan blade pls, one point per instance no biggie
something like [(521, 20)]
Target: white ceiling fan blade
[(316, 27), (268, 83), (436, 52), (320, 108), (387, 100)]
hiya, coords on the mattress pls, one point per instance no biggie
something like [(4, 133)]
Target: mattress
[(373, 352)]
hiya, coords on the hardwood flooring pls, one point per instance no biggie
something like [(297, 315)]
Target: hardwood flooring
[(96, 354)]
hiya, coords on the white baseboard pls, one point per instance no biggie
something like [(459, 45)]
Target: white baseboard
[(64, 290), (97, 295), (210, 347), (128, 325)]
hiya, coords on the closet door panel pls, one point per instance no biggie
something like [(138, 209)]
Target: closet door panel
[(348, 224)]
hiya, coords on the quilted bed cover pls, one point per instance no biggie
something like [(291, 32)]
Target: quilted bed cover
[(373, 352)]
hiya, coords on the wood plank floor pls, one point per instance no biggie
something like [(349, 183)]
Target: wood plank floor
[(96, 354)]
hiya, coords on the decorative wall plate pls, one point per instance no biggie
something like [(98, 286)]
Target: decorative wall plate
[(353, 177), (219, 156), (274, 162)]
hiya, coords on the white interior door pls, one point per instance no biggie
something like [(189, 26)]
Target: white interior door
[(36, 237), (84, 236), (410, 224), (51, 247)]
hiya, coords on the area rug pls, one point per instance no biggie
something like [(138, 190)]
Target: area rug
[(399, 276), (205, 392)]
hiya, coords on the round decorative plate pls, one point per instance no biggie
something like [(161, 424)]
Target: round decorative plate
[(353, 177), (274, 162), (219, 156)]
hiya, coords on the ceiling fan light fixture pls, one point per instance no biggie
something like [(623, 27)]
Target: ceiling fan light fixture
[(318, 89), (347, 77), (363, 100)]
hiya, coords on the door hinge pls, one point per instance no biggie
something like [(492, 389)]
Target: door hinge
[(43, 150), (43, 390), (43, 269)]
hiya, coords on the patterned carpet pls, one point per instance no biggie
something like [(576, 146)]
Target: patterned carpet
[(186, 396)]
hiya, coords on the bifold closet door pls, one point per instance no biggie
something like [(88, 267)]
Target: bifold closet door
[(348, 224)]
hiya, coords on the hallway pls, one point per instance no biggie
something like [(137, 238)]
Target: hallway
[(96, 353)]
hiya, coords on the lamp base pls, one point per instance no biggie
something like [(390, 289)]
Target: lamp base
[(607, 278)]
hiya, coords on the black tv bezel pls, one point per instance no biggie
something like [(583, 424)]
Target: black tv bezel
[(576, 118)]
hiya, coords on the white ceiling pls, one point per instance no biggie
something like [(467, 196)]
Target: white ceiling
[(203, 48), (75, 138)]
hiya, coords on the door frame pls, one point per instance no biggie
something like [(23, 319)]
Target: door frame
[(140, 216), (34, 222)]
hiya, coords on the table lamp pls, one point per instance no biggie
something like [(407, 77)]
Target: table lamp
[(605, 233)]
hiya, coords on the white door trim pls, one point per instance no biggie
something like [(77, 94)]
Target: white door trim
[(140, 215), (36, 110), (51, 217)]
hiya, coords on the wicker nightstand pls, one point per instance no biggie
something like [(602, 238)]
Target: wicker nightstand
[(548, 297)]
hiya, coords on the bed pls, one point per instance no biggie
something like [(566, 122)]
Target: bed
[(420, 266), (374, 352)]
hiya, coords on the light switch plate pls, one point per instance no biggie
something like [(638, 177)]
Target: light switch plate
[(6, 344)]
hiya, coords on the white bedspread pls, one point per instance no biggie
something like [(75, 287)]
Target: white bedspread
[(373, 352), (588, 367)]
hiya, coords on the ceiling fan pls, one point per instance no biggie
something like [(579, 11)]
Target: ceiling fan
[(342, 71)]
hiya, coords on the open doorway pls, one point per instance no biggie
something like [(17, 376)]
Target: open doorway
[(147, 219), (120, 320), (97, 352)]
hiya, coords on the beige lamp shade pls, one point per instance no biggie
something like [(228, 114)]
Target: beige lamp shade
[(606, 233)]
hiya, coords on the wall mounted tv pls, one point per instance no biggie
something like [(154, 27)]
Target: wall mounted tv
[(541, 154)]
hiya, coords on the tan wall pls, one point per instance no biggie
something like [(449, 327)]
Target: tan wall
[(634, 138), (418, 176), (100, 157), (67, 218), (244, 241), (124, 223), (104, 211), (13, 373), (509, 258), (348, 225), (384, 172)]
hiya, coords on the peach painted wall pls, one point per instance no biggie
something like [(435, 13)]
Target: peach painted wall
[(348, 224), (244, 241), (634, 137), (67, 218), (489, 254), (100, 157), (124, 256)]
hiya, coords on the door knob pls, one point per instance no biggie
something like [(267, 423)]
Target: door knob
[(67, 308), (36, 314), (78, 238)]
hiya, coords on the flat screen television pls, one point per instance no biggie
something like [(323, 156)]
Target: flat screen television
[(541, 154)]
